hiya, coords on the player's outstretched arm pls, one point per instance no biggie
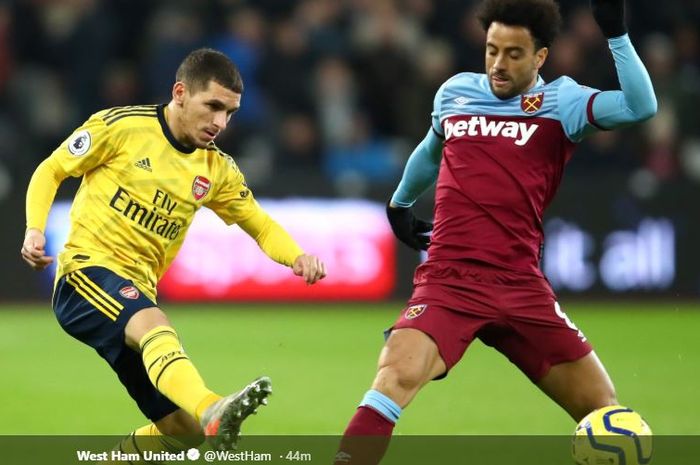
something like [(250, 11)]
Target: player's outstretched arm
[(420, 173), (281, 247), (636, 101), (610, 16)]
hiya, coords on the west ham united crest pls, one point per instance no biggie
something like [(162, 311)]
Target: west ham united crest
[(414, 311), (531, 103), (200, 187)]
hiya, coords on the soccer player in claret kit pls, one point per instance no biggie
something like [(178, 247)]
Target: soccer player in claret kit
[(498, 145), (145, 171)]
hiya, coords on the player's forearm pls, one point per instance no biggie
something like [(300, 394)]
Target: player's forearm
[(420, 172), (272, 238), (41, 192), (636, 101)]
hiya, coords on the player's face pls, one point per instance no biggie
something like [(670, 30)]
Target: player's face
[(205, 113), (512, 60)]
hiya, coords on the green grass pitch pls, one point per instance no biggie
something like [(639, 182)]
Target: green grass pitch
[(322, 358)]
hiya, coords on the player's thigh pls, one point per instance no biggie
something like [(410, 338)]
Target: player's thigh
[(429, 338), (541, 335), (412, 353), (579, 384), (95, 305), (550, 349)]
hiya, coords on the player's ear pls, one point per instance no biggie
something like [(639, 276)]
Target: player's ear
[(179, 92), (541, 57)]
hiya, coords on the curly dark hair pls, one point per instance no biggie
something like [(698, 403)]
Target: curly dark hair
[(206, 64), (541, 17)]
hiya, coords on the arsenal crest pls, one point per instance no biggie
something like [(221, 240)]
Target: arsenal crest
[(531, 103), (414, 311), (200, 187), (129, 292)]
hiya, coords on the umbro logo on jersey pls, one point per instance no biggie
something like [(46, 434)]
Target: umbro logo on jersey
[(479, 126), (461, 101), (144, 164)]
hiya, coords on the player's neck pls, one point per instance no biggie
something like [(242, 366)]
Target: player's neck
[(532, 84), (171, 119)]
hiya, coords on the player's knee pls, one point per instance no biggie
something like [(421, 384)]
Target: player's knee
[(401, 376)]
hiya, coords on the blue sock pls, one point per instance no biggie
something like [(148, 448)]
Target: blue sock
[(382, 404)]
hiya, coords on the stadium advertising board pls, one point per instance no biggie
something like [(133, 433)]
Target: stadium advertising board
[(588, 250), (218, 262), (638, 259)]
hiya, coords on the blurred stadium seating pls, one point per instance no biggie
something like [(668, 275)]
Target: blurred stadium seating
[(337, 94)]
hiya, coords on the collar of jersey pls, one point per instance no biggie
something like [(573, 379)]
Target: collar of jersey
[(169, 135), (539, 83)]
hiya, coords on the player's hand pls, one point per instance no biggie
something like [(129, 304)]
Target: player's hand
[(310, 267), (33, 250), (410, 230), (610, 16)]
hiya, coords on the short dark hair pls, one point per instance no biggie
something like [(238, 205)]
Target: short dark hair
[(541, 17), (204, 65)]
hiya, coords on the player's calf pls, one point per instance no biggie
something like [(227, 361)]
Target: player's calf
[(183, 427)]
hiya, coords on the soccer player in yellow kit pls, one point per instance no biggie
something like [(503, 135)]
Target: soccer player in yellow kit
[(145, 171)]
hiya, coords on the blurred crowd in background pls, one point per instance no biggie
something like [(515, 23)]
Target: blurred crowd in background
[(337, 92)]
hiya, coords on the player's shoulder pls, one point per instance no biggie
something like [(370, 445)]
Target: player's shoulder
[(465, 81), (220, 159), (126, 116), (460, 90), (565, 84), (562, 81)]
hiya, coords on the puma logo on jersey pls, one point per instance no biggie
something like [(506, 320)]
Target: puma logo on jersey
[(479, 126), (144, 164)]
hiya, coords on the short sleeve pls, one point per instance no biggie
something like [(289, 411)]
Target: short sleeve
[(233, 201), (575, 108), (89, 146)]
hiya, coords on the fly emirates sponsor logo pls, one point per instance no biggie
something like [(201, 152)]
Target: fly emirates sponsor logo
[(479, 126), (154, 217)]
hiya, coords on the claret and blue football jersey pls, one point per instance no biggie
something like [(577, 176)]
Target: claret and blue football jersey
[(501, 166)]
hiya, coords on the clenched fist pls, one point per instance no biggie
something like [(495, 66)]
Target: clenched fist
[(310, 267), (33, 250)]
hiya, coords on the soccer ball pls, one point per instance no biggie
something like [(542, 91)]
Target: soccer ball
[(612, 435)]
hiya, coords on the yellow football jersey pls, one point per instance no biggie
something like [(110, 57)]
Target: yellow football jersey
[(140, 191)]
